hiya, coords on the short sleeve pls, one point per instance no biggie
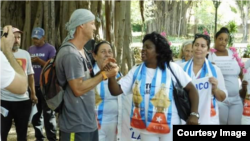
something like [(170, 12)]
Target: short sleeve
[(181, 75), (29, 65), (126, 82), (7, 72), (52, 52), (73, 66)]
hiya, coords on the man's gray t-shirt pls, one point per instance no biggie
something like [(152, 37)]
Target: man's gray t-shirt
[(78, 114)]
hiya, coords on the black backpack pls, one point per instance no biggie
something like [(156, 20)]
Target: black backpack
[(89, 49)]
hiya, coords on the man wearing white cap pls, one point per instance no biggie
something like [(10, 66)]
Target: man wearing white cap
[(73, 67), (19, 106)]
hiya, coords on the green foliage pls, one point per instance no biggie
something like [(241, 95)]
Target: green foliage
[(247, 52), (233, 9), (136, 27), (233, 28), (175, 51), (204, 13), (202, 27), (135, 13), (174, 39)]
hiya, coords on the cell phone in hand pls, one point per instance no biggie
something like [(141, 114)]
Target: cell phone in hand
[(4, 34)]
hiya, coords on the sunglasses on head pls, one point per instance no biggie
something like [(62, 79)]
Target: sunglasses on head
[(206, 37)]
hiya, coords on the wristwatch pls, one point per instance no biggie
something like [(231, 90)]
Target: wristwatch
[(104, 76), (195, 114)]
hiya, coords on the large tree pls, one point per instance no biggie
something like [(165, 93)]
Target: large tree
[(168, 16), (112, 22), (244, 8)]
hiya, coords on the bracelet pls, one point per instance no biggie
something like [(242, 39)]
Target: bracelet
[(104, 76)]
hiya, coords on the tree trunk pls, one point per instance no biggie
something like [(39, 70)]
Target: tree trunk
[(84, 4), (184, 23), (108, 21), (180, 18), (174, 18), (39, 15), (170, 16), (64, 12), (26, 32), (4, 15), (244, 21), (116, 25), (49, 21), (244, 11), (52, 23), (195, 25), (72, 8), (53, 15), (121, 13), (96, 7), (127, 58), (46, 19)]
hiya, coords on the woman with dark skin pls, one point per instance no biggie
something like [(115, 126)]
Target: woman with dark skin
[(153, 110), (230, 110)]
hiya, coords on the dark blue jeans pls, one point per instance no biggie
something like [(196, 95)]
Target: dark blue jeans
[(43, 112), (20, 112)]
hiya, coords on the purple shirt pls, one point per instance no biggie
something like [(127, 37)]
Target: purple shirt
[(44, 52)]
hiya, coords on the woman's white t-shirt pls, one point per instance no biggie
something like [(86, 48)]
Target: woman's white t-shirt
[(231, 81), (126, 84), (221, 86)]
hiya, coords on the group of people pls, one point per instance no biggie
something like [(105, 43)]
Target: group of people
[(232, 101), (17, 97), (96, 95)]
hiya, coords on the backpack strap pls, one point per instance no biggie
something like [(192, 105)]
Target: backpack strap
[(63, 45)]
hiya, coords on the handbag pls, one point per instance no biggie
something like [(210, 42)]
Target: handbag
[(181, 98)]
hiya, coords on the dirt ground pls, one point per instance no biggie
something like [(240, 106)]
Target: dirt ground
[(30, 135)]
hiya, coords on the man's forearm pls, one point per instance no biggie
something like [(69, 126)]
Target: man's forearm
[(81, 87), (31, 84), (41, 62), (13, 62)]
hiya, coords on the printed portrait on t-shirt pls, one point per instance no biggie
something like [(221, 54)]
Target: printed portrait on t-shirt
[(22, 62)]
